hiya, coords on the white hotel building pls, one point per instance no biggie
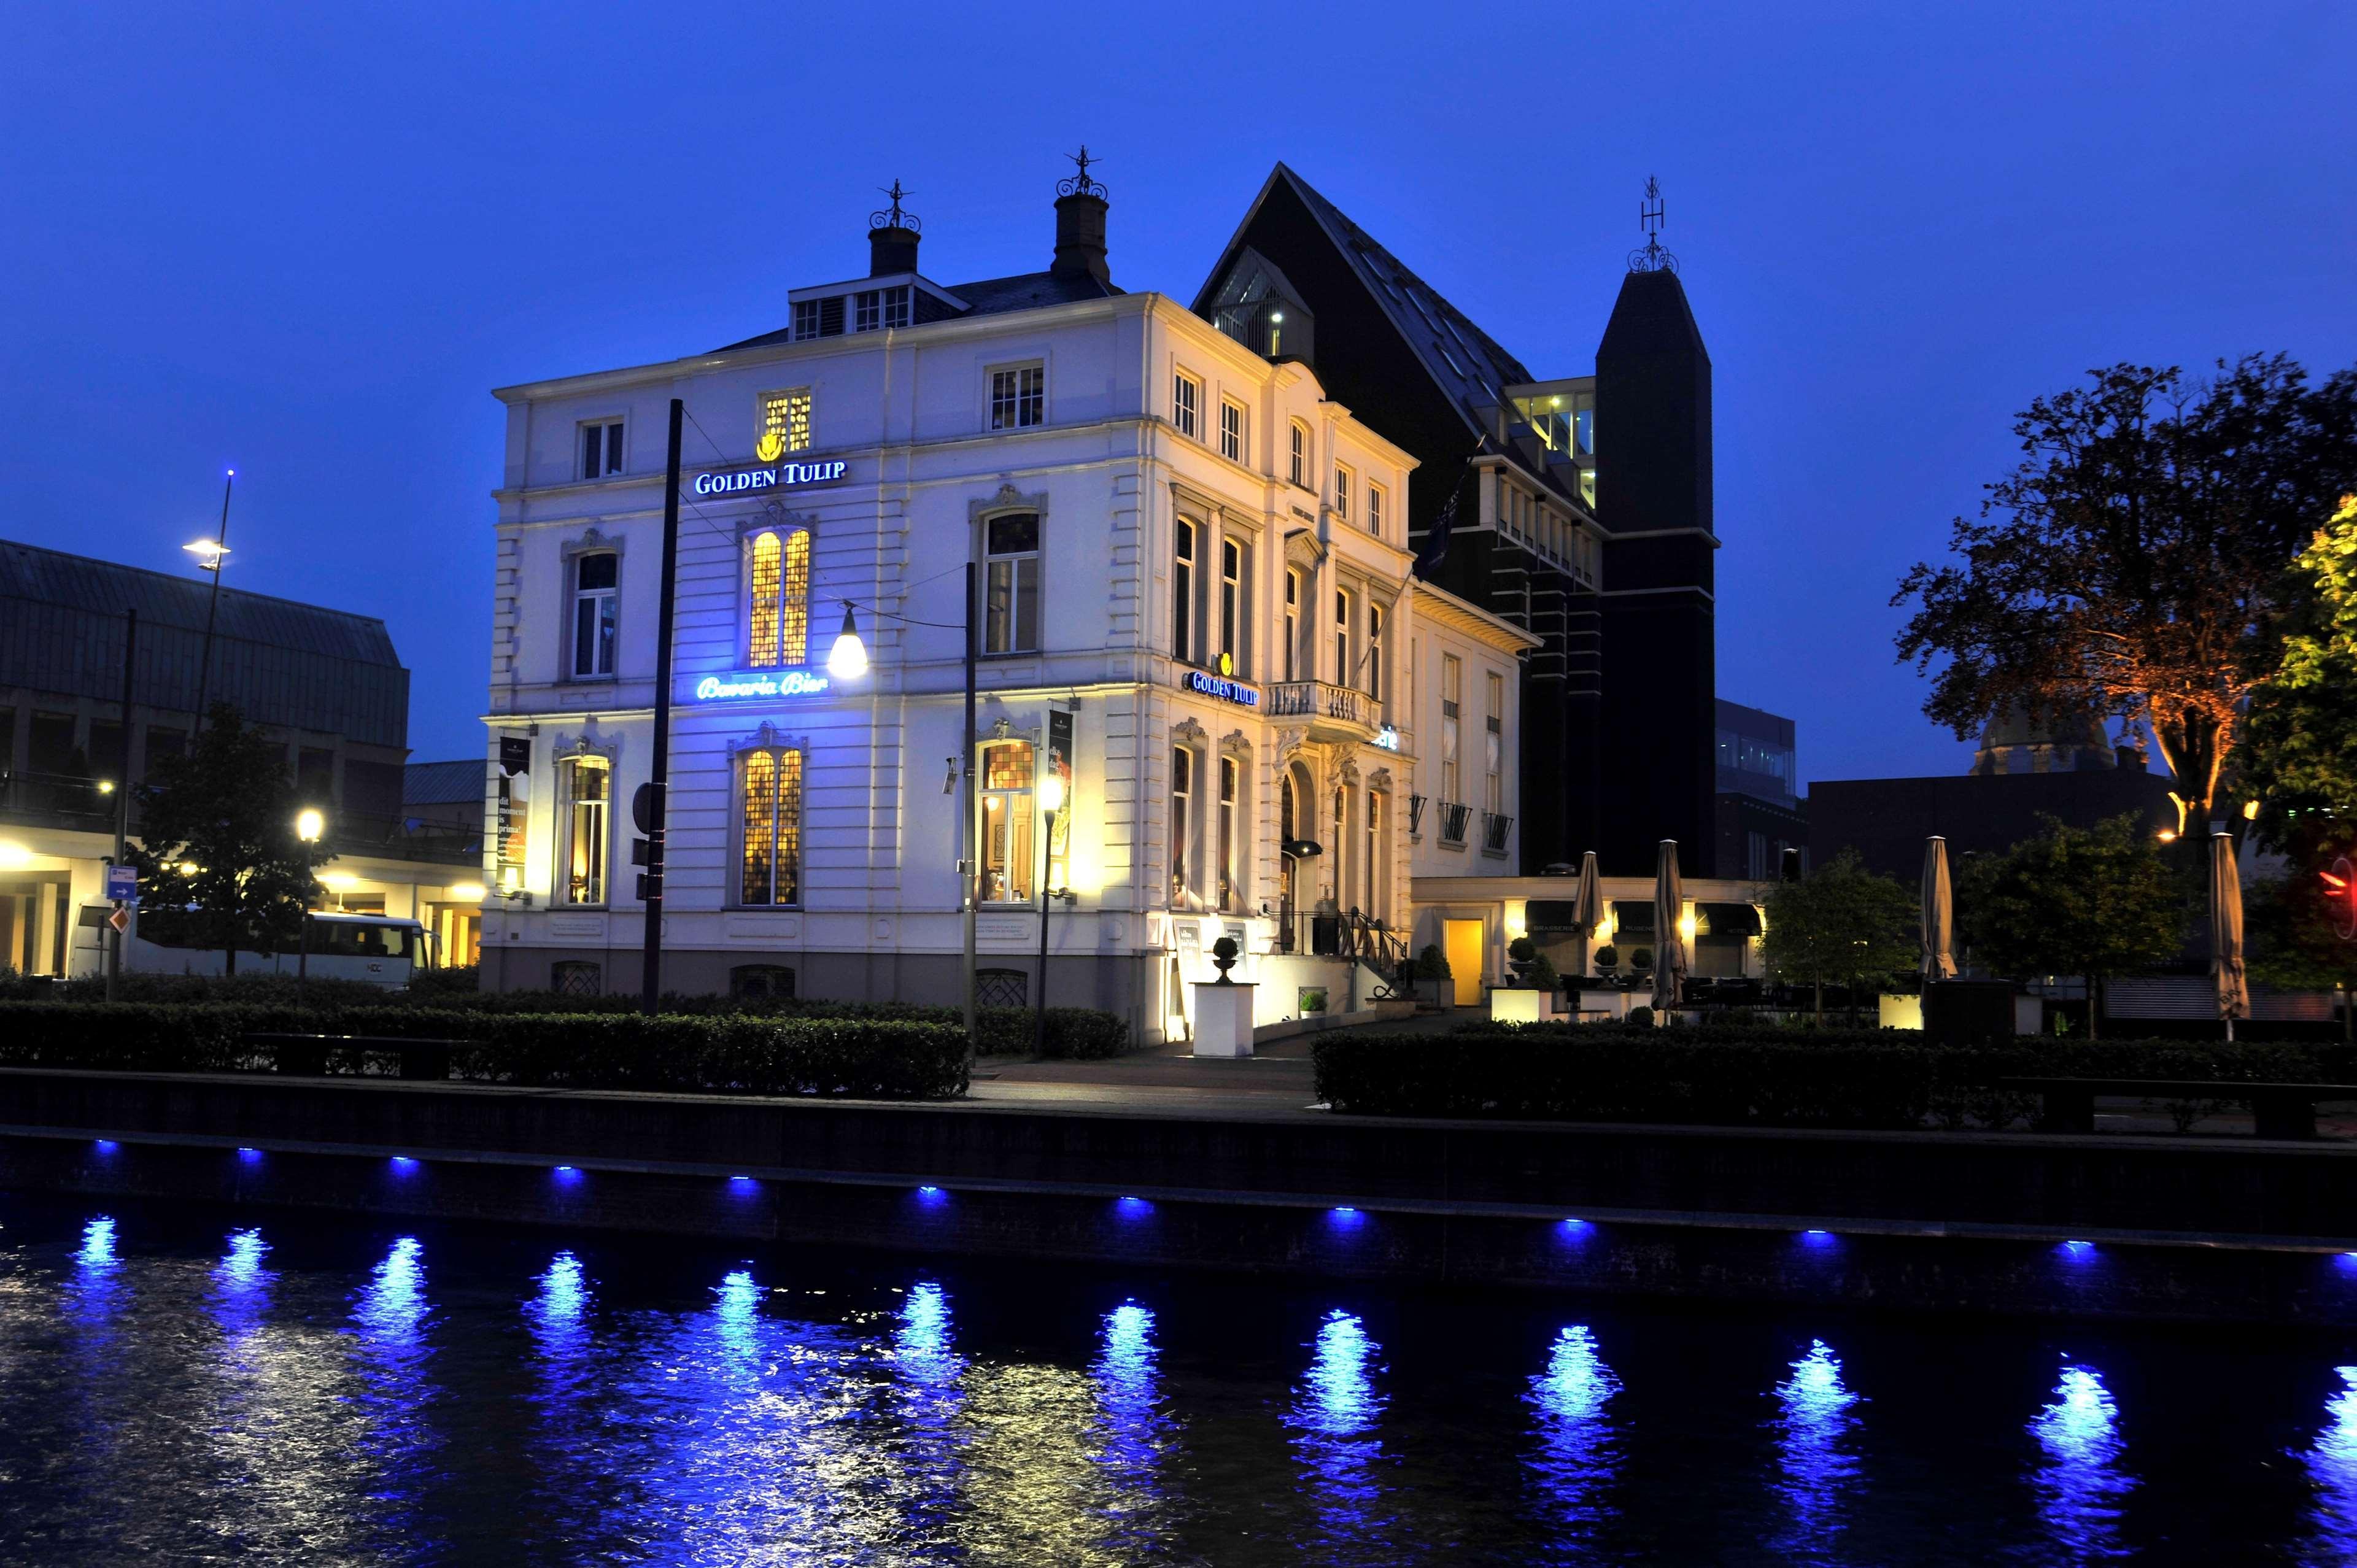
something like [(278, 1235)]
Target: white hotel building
[(1195, 597)]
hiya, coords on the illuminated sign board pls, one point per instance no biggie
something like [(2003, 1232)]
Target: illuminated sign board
[(759, 683), (1220, 686), (746, 480), (1388, 738)]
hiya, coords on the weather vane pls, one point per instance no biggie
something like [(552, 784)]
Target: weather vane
[(1652, 258), (1081, 184), (895, 218)]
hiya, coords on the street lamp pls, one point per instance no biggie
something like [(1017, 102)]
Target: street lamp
[(1051, 800), (847, 659), (209, 553), (308, 825)]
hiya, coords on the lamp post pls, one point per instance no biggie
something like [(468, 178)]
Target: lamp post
[(209, 553), (1051, 800), (308, 825)]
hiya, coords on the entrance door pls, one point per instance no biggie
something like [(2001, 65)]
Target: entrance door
[(1467, 943)]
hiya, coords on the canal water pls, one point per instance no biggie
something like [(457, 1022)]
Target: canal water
[(195, 1385)]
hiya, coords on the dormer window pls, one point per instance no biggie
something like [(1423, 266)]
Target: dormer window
[(874, 308), (805, 319)]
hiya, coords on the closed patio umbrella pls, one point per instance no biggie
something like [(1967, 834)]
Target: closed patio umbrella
[(1587, 907), (1669, 944), (2226, 932), (1939, 913)]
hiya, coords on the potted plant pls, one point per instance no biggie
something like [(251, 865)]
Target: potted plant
[(1608, 959), (1642, 962), (1223, 956), (1432, 967), (1522, 953)]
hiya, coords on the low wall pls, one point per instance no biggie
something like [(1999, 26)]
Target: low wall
[(2101, 1226)]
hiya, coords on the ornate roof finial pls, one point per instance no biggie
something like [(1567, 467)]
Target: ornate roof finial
[(895, 218), (1652, 258), (1081, 184)]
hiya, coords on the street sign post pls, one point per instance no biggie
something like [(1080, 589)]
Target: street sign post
[(121, 884)]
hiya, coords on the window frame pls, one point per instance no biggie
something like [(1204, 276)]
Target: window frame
[(791, 606), (1018, 579), (1375, 510), (1345, 616), (1493, 742), (609, 429), (795, 400), (1301, 468), (1234, 605), (1293, 584), (781, 797), (1233, 445), (578, 599), (1374, 659), (1019, 402), (1182, 799), (1011, 799), (1343, 477), (572, 808), (1452, 686), (1186, 561), (1233, 823), (1186, 404)]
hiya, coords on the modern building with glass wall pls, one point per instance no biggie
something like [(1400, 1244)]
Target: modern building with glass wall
[(1195, 615), (325, 684)]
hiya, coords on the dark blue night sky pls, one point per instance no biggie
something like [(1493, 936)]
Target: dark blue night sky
[(306, 241)]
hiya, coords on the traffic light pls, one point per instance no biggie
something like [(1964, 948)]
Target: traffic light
[(2341, 897)]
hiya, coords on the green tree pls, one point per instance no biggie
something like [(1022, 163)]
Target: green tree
[(2093, 902), (1841, 924), (2301, 733), (2134, 562), (220, 864)]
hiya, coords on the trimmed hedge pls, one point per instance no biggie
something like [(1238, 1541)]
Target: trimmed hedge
[(884, 1059), (1598, 1072), (1077, 1034)]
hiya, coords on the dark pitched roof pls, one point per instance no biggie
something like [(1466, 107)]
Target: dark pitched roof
[(1468, 364), (990, 297), (442, 783), (295, 665)]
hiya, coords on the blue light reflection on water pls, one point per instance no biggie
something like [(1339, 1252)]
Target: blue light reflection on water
[(2331, 1463), (929, 1388), (240, 1285), (2081, 1482), (1815, 1426), (1333, 1416), (96, 1286), (397, 1394), (1133, 1429), (1577, 1449)]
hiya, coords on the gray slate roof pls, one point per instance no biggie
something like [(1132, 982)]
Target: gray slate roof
[(991, 297), (292, 665), (443, 783)]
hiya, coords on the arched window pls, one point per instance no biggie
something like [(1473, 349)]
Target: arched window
[(769, 848), (1008, 849), (777, 597)]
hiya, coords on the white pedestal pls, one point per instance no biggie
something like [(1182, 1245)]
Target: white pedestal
[(1223, 1019), (1510, 1004)]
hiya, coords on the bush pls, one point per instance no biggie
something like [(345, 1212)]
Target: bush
[(457, 979), (1604, 1072), (1432, 963), (1640, 1016), (871, 1058)]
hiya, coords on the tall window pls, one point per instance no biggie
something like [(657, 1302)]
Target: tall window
[(1375, 652), (601, 448), (1378, 859), (1299, 472), (1230, 878), (1343, 671), (1343, 888), (1493, 742), (1293, 626), (805, 319), (596, 612), (1342, 492), (1019, 397), (785, 423), (1182, 596), (1452, 683), (1007, 847), (1010, 621), (1375, 511), (1182, 799), (588, 790), (778, 599), (1232, 585), (1186, 401), (769, 864), (1231, 431)]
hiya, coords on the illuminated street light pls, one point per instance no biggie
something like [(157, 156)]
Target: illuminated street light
[(309, 824), (209, 553), (847, 661)]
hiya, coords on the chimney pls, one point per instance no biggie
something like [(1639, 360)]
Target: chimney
[(893, 237), (1081, 226)]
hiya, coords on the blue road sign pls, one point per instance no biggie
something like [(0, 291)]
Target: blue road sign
[(123, 883)]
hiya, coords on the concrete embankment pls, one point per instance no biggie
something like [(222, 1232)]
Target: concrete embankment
[(2100, 1226)]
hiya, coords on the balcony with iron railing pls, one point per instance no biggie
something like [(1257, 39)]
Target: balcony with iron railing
[(1454, 816), (1335, 713), (1495, 826)]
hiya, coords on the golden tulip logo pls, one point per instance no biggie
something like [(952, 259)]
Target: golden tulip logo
[(772, 447)]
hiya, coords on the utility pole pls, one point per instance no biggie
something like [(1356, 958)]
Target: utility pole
[(123, 798), (212, 610), (659, 778), (973, 863)]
